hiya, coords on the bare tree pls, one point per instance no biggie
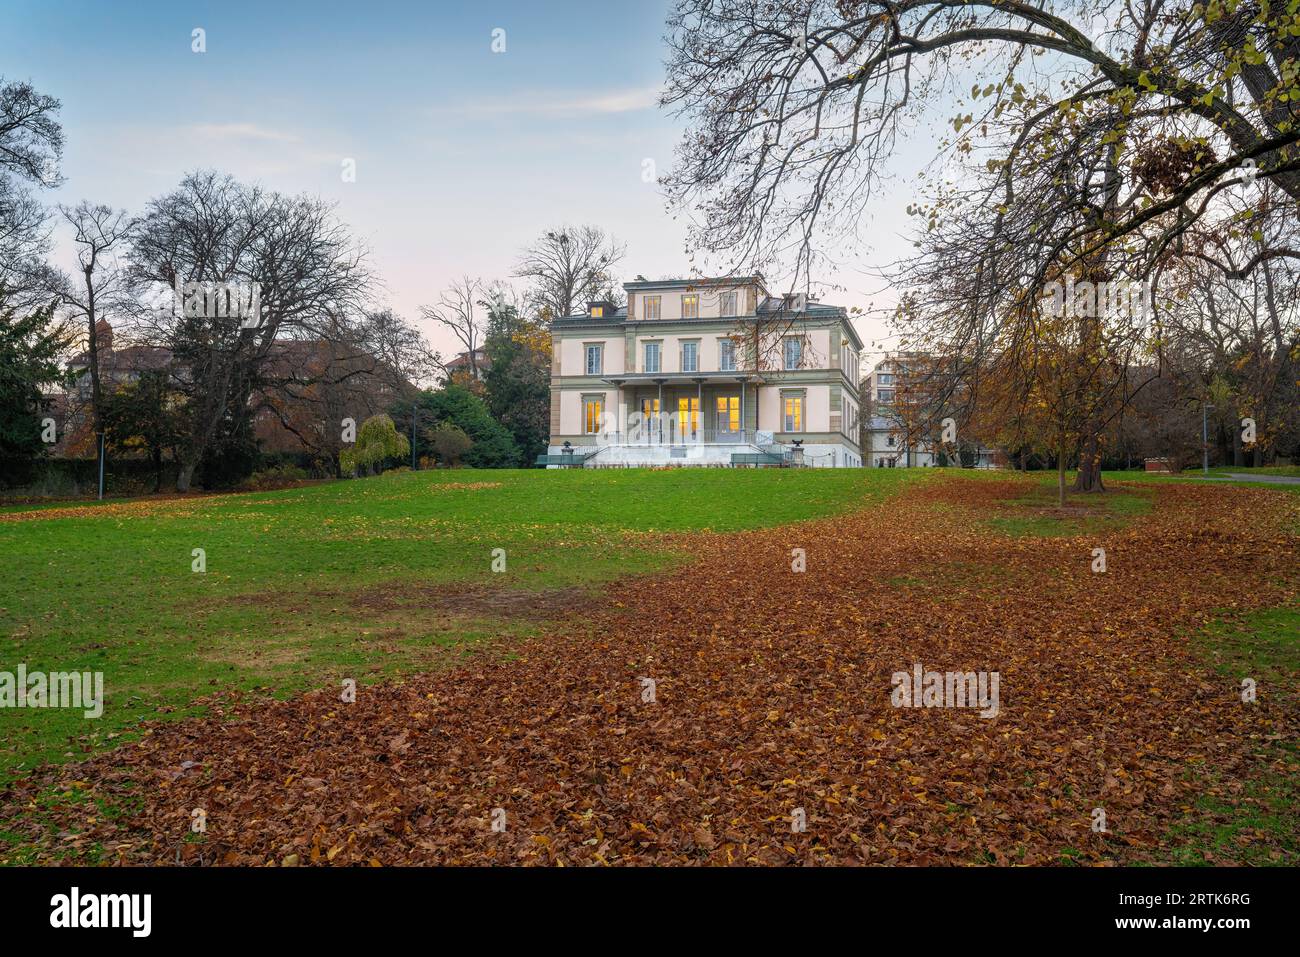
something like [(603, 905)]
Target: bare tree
[(98, 231), (1096, 169), (31, 145), (454, 311), (354, 367), (401, 352), (796, 105), (294, 261), (569, 266)]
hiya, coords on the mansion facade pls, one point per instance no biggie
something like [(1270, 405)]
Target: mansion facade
[(704, 372)]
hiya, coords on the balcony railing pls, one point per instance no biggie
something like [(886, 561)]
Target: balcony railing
[(673, 433)]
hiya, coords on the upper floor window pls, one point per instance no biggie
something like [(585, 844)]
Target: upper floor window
[(690, 357), (594, 359), (792, 351), (793, 419), (728, 304), (597, 312), (652, 307), (651, 357), (726, 355), (885, 395), (691, 307), (885, 378), (890, 441)]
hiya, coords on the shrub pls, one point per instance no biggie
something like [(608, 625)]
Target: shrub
[(378, 441), (450, 443), (277, 476)]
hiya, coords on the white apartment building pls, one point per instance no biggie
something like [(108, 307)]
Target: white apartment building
[(704, 372), (887, 443)]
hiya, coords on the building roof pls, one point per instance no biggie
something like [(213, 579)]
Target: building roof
[(461, 360), (700, 281)]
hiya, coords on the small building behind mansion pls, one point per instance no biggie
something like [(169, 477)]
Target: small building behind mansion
[(705, 372)]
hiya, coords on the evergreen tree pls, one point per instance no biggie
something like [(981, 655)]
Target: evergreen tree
[(30, 346)]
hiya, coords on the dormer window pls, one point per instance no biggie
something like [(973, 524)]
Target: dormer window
[(600, 308), (597, 311)]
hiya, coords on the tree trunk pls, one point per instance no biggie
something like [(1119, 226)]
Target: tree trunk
[(184, 476), (1060, 471), (92, 342), (1088, 478)]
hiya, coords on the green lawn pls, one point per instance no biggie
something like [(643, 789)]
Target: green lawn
[(360, 579), (1196, 475), (1289, 470), (1038, 515)]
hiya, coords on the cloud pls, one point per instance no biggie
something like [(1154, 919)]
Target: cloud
[(241, 131), (558, 104)]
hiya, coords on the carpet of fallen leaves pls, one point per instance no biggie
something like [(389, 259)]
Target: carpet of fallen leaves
[(136, 508), (772, 693)]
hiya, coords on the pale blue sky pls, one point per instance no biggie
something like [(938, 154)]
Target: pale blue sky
[(462, 155)]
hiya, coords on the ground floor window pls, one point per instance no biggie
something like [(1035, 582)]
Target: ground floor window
[(592, 406), (793, 413)]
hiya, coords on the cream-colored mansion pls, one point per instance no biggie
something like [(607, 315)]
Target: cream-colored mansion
[(704, 372)]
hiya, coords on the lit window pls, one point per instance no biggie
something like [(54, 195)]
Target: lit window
[(652, 357), (591, 408), (690, 307), (597, 311), (652, 307), (793, 350), (728, 305), (593, 360), (690, 356), (729, 413), (793, 413)]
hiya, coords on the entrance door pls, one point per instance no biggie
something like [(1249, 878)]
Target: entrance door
[(650, 419), (728, 413)]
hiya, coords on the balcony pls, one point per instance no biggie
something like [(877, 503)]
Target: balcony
[(670, 432), (651, 446), (683, 378)]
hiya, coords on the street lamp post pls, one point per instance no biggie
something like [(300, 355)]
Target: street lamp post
[(1205, 438), (101, 466)]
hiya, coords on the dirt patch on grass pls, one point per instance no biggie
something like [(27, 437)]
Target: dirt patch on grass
[(459, 600), (257, 654), (474, 601)]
